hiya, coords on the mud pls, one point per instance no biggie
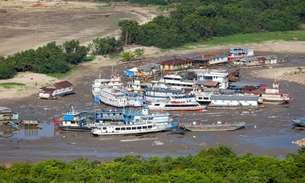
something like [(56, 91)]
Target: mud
[(268, 130)]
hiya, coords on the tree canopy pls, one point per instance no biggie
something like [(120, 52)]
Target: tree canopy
[(218, 164), (193, 20)]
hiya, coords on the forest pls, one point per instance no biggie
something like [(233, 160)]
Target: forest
[(217, 164), (200, 20), (187, 21)]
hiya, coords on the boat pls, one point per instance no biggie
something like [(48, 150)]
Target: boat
[(299, 122), (7, 115), (270, 94), (120, 98), (107, 115), (99, 84), (238, 53), (161, 94), (127, 129), (177, 82), (136, 116), (73, 120), (177, 104), (137, 85), (215, 126)]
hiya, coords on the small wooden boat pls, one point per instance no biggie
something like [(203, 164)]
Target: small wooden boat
[(215, 126)]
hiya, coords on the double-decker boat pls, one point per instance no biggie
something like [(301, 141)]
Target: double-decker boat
[(73, 120), (120, 98), (161, 94), (177, 104)]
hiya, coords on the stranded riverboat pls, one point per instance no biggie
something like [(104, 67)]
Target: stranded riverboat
[(215, 126), (127, 129)]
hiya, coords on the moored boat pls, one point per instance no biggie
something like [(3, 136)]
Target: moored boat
[(215, 126), (270, 94), (177, 104), (73, 120), (129, 129), (120, 98), (161, 94), (299, 122)]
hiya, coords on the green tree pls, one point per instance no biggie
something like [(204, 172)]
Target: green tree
[(139, 52)]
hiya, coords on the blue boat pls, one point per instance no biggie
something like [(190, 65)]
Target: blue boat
[(108, 115), (299, 122), (73, 120)]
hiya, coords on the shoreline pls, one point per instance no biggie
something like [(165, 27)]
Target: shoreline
[(34, 81)]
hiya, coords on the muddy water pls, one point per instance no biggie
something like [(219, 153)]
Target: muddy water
[(268, 130)]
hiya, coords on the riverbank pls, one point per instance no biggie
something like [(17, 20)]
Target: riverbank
[(34, 81)]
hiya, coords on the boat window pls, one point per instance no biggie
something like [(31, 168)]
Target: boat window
[(150, 126), (123, 128), (157, 104), (104, 128), (144, 127), (128, 128), (139, 127), (117, 129), (134, 128)]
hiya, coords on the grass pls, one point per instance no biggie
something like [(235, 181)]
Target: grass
[(9, 85), (248, 38), (63, 75), (89, 58), (14, 7)]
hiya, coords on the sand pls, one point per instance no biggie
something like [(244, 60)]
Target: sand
[(39, 17)]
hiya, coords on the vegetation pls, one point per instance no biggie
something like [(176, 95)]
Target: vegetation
[(196, 21), (136, 54), (9, 85), (191, 22), (218, 164)]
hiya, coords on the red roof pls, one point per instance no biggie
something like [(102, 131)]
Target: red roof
[(63, 84), (206, 56), (177, 61), (59, 85), (211, 83)]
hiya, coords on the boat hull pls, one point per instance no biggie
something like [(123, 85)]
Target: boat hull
[(99, 133), (216, 127), (76, 129), (298, 122), (177, 108)]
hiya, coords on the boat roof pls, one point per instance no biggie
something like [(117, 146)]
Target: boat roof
[(163, 90), (234, 97), (246, 83), (4, 108)]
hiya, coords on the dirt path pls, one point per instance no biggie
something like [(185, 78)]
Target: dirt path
[(29, 24)]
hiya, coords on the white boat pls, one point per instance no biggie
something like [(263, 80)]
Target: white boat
[(177, 81), (120, 98), (270, 94), (161, 94), (177, 104), (99, 84), (137, 85), (129, 129)]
